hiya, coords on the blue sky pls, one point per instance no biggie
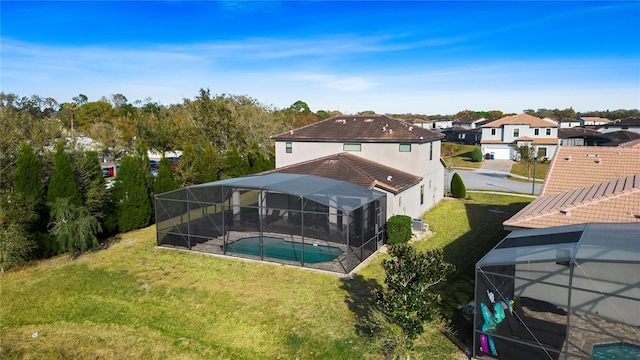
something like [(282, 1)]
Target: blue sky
[(423, 57)]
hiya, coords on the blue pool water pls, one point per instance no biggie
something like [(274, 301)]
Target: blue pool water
[(278, 248), (616, 351)]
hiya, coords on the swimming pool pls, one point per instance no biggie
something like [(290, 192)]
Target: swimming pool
[(616, 351), (278, 248)]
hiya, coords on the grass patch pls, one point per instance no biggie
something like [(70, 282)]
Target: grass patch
[(541, 171), (466, 230), (135, 301), (458, 155)]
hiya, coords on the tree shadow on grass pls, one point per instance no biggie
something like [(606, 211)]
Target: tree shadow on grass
[(486, 231), (360, 300)]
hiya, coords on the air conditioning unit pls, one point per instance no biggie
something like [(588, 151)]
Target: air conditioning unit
[(417, 224)]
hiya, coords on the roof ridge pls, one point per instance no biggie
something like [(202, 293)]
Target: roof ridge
[(601, 195)]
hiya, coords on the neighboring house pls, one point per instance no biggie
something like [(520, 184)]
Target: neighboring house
[(565, 123), (577, 136), (616, 200), (586, 184), (463, 135), (592, 120), (470, 123), (431, 124), (379, 139), (629, 124), (399, 186), (502, 136)]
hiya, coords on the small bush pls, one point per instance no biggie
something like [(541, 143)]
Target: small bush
[(476, 155), (458, 189), (399, 229)]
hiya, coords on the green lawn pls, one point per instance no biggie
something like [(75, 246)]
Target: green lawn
[(541, 170), (458, 155), (132, 300)]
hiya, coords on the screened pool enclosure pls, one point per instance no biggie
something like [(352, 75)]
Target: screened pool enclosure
[(568, 292), (301, 220)]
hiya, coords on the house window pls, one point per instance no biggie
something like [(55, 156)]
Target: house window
[(516, 133), (405, 147), (548, 132), (421, 194), (430, 151), (289, 147), (536, 132), (493, 131), (352, 147), (542, 152)]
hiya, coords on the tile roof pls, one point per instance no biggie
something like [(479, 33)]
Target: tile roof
[(615, 200), (363, 128), (356, 170), (532, 121), (545, 141), (634, 144), (577, 166)]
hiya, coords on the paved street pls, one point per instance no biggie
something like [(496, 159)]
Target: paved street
[(491, 180)]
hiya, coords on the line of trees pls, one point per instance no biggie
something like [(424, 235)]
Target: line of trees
[(53, 197)]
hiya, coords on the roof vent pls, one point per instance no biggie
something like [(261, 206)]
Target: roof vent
[(390, 131), (566, 212), (568, 158), (410, 128), (591, 155), (291, 132), (344, 121), (389, 178), (367, 120), (598, 161), (637, 216)]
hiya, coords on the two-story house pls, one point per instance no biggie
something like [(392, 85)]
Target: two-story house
[(375, 151), (592, 120), (628, 124), (502, 136)]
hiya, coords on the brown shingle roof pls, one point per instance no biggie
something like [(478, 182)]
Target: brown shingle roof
[(363, 128), (356, 170), (577, 166), (632, 121), (522, 119), (566, 133), (616, 200)]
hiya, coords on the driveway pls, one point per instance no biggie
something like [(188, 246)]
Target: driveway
[(491, 180), (497, 165)]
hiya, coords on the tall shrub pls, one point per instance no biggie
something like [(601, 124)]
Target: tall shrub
[(399, 229), (63, 182), (165, 181), (458, 189), (132, 198), (408, 299), (476, 155)]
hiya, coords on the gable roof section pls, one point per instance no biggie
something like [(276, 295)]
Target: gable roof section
[(616, 200), (521, 119), (577, 166), (356, 170), (360, 128)]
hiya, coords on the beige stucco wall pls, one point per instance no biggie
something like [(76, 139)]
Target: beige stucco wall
[(417, 162)]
